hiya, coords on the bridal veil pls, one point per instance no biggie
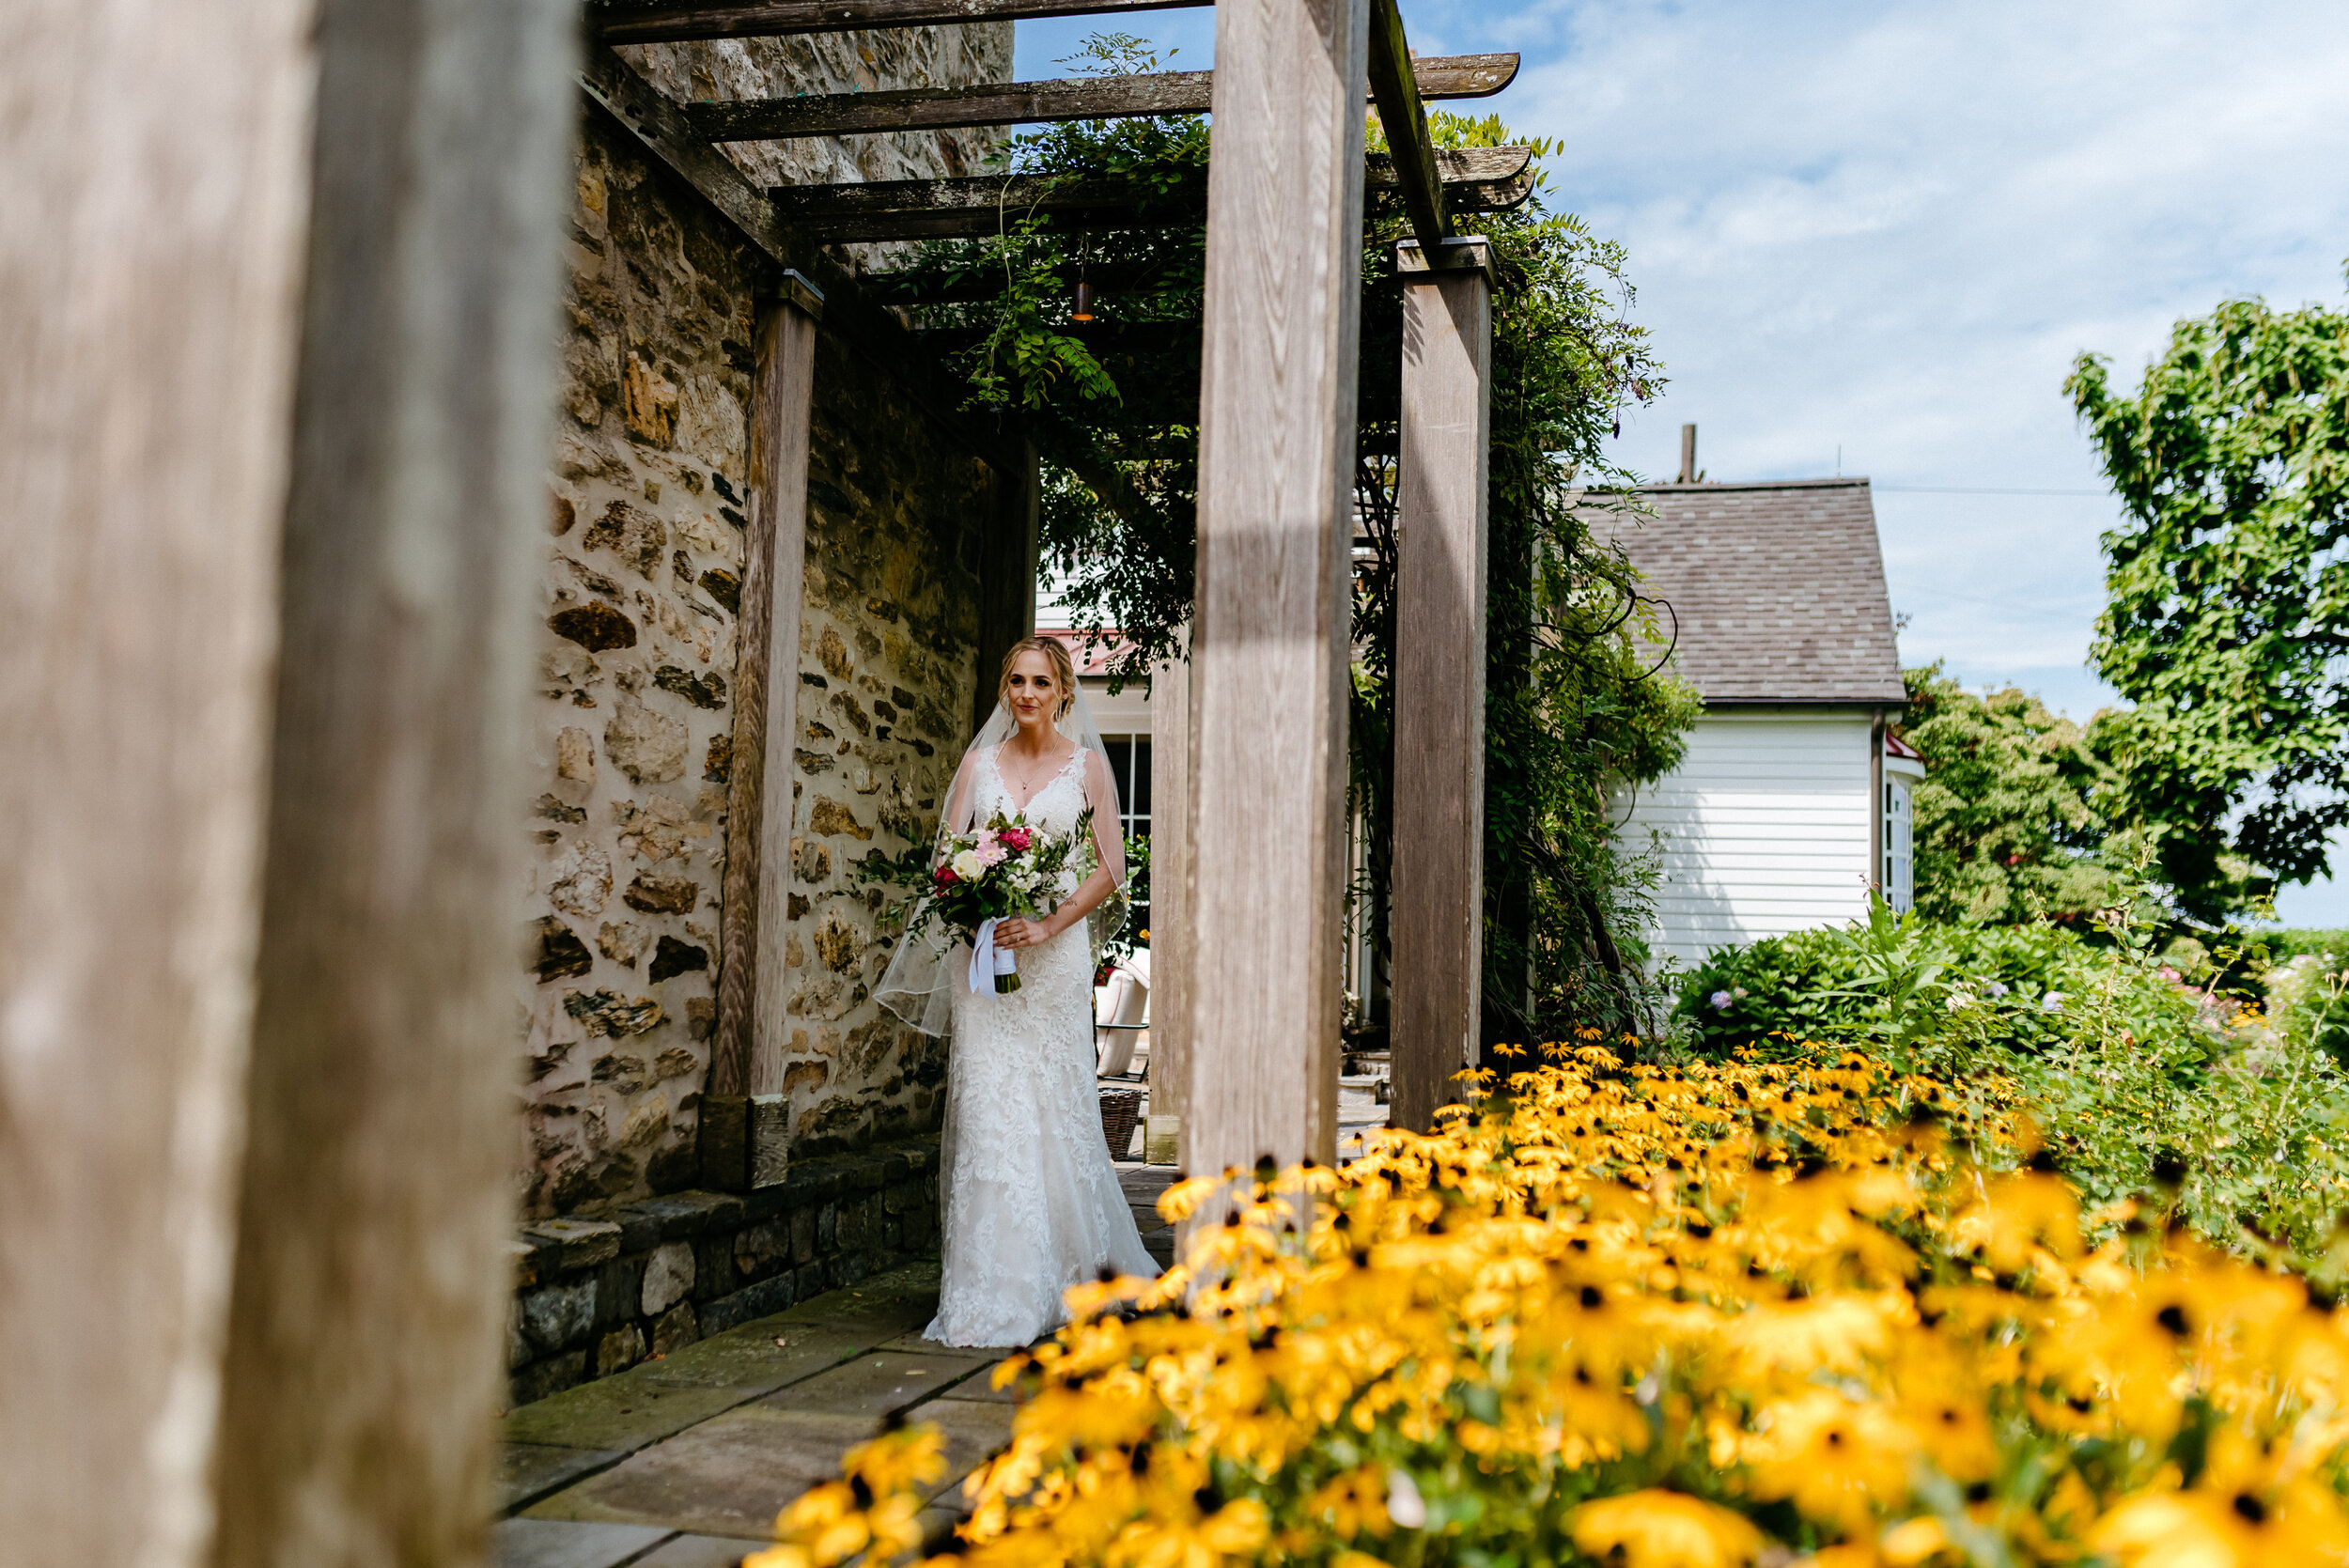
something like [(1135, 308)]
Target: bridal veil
[(918, 985)]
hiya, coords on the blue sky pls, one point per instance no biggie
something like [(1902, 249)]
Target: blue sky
[(1884, 230)]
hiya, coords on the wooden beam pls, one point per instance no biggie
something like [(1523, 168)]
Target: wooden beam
[(1007, 568), (150, 301), (1179, 92), (375, 1244), (1262, 916), (1170, 879), (753, 982), (1477, 179), (1439, 891), (870, 331), (1394, 87), (623, 23)]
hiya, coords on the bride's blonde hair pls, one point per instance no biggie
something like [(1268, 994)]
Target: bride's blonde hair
[(1064, 670)]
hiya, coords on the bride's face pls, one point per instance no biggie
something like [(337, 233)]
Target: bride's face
[(1032, 693)]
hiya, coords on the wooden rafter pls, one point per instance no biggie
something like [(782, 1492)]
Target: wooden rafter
[(1395, 88), (667, 23), (1177, 92), (1474, 180)]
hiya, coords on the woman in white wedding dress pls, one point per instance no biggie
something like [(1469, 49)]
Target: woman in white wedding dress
[(1032, 1202)]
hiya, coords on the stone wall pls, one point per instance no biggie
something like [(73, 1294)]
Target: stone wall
[(643, 578), (596, 1296)]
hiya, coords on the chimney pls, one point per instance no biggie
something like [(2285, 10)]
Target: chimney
[(1688, 454)]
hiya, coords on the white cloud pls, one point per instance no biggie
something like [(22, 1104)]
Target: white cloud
[(1889, 228)]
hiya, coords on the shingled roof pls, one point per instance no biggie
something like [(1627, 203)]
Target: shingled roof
[(1777, 590)]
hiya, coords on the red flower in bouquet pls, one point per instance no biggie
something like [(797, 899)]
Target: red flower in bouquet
[(1016, 839)]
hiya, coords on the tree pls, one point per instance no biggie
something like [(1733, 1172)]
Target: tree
[(1113, 406), (2228, 615), (2010, 820)]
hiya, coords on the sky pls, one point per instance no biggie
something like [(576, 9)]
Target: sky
[(1871, 238)]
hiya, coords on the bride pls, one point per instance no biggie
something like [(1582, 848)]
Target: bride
[(1032, 1200)]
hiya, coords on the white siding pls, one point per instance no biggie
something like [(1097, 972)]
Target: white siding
[(1764, 828)]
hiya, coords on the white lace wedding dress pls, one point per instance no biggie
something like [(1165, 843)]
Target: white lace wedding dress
[(1032, 1200)]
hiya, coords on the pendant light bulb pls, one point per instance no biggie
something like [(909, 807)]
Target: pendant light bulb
[(1084, 303)]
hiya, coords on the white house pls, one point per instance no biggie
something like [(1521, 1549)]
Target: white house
[(1791, 801)]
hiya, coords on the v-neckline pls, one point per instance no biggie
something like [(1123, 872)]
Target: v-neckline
[(995, 760)]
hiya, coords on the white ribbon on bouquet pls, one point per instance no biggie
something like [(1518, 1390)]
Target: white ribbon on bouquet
[(988, 960)]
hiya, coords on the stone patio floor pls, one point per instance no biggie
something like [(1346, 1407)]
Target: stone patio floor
[(685, 1461)]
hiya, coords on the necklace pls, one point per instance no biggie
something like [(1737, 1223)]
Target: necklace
[(1027, 776)]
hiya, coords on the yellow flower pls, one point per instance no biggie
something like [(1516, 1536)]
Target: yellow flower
[(1665, 1530)]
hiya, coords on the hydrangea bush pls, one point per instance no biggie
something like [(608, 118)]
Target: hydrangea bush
[(1667, 1317)]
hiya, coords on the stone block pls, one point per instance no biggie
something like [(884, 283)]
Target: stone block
[(860, 1224), (725, 1142), (557, 1316), (866, 1172), (762, 1299), (895, 1167), (669, 1274), (676, 1328), (535, 1261), (893, 1234), (617, 1286), (714, 1266), (827, 1228), (640, 1228), (528, 1471), (762, 1249), (553, 1376), (852, 1267), (692, 1213), (901, 1198), (770, 1150), (518, 1346), (581, 1243), (619, 1350), (804, 1235)]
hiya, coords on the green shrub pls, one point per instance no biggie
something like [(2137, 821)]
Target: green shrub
[(2137, 1078)]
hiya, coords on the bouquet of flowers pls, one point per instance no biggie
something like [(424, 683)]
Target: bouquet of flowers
[(1008, 867)]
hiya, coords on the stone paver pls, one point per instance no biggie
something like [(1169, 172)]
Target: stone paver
[(548, 1544), (699, 1451), (528, 1471), (877, 1384), (696, 1551)]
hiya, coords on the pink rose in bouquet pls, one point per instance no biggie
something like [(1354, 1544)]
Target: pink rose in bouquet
[(1006, 868)]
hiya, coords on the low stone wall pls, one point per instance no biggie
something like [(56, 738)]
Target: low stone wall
[(595, 1294)]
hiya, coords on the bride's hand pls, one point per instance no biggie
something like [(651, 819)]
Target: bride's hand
[(1018, 932)]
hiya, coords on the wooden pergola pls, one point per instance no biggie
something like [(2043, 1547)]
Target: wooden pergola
[(276, 281)]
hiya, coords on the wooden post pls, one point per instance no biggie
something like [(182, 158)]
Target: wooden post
[(368, 1321), (743, 1138), (1439, 897), (153, 164), (1262, 913), (1170, 862), (1007, 568)]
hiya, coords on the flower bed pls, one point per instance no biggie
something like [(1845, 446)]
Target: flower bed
[(1660, 1316)]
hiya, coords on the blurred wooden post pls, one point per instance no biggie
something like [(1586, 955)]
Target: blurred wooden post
[(154, 163), (745, 1141), (1263, 911), (1169, 960), (368, 1321), (1007, 568), (1440, 675)]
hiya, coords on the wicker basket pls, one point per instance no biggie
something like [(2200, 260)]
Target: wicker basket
[(1119, 1110)]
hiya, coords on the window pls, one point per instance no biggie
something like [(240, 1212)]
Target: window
[(1900, 870), (1130, 765)]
